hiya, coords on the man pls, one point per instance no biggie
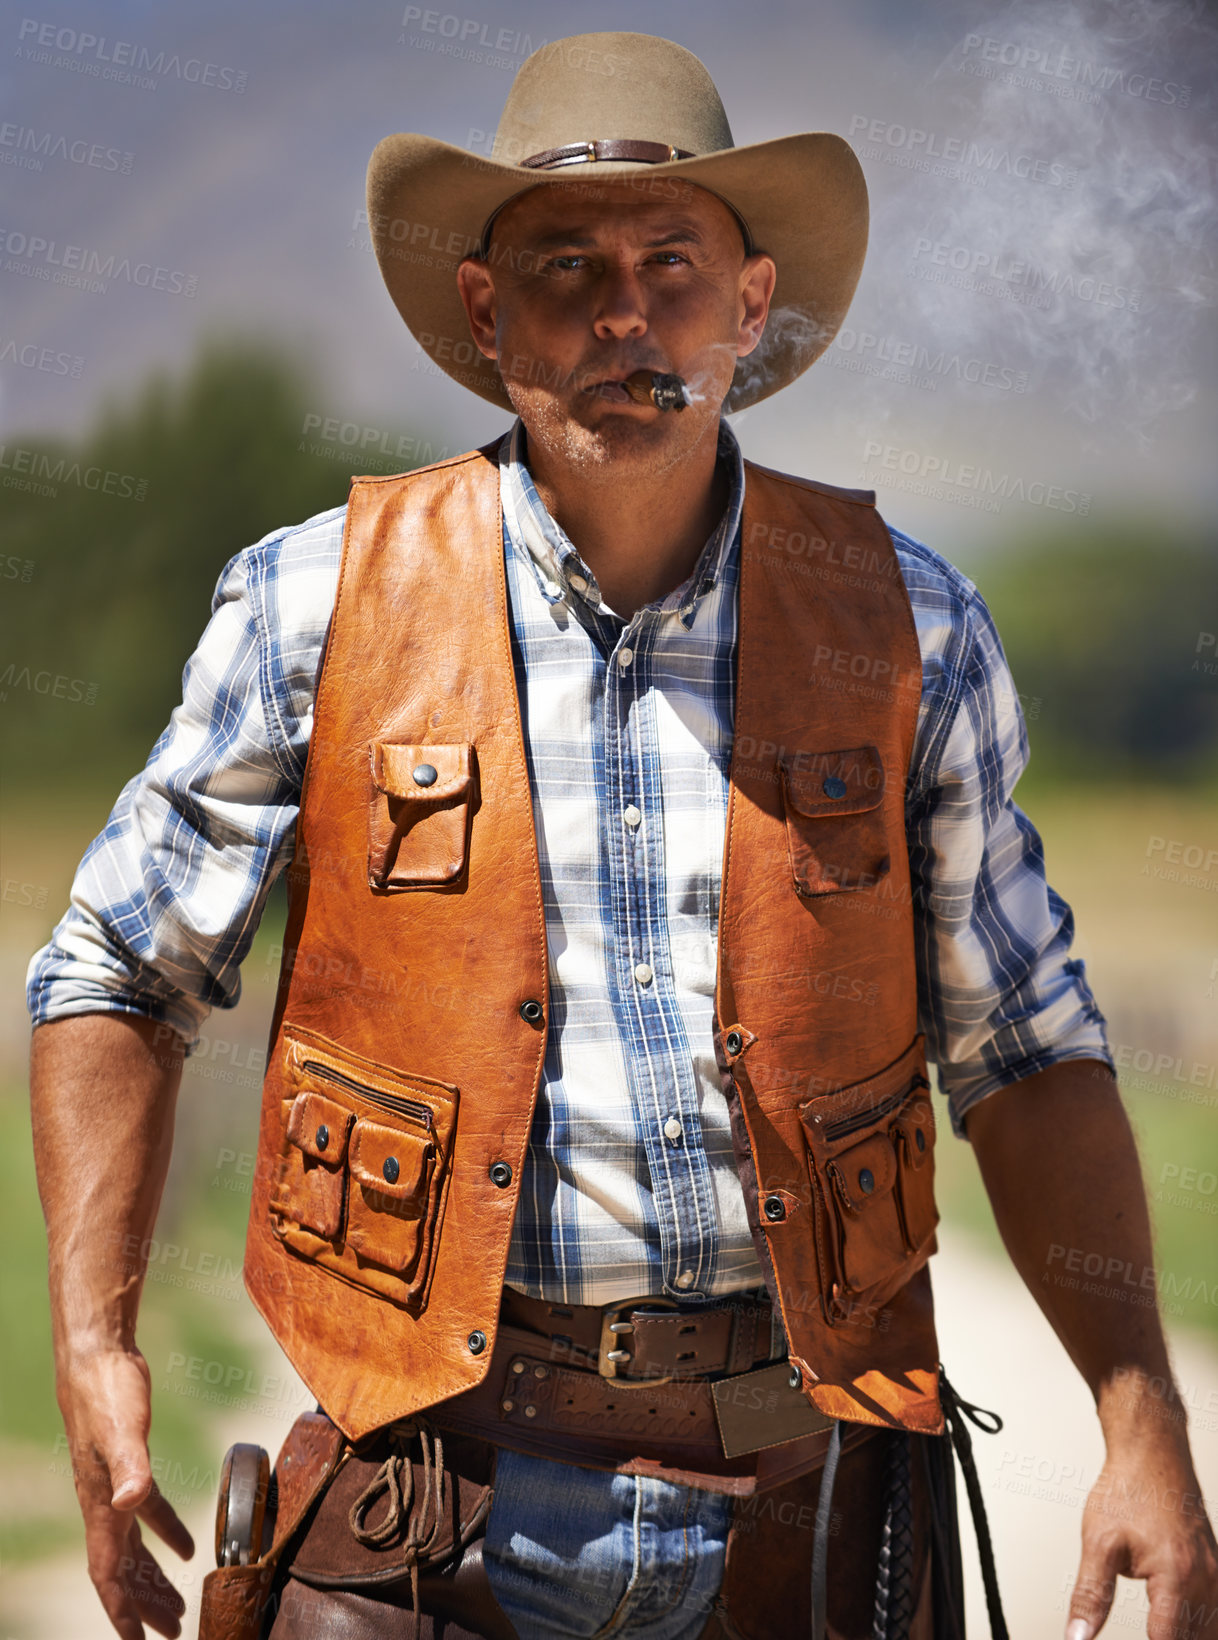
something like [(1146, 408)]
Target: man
[(650, 1140)]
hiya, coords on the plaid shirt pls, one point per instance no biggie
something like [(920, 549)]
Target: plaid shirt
[(629, 1185)]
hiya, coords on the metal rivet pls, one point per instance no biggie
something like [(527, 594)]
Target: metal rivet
[(541, 1372), (866, 1181), (476, 1342), (775, 1208), (517, 1366), (508, 1404), (919, 1139), (531, 1011), (733, 1042), (323, 1136), (425, 775), (501, 1175), (833, 787), (530, 1412), (391, 1169), (795, 1380)]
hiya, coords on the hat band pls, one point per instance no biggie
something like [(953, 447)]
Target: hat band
[(606, 148)]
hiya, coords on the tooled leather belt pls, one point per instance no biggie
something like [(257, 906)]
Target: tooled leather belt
[(643, 1387)]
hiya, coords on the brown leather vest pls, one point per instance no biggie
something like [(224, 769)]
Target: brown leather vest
[(409, 1032)]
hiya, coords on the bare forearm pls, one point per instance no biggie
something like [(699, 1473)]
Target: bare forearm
[(102, 1093), (1060, 1164)]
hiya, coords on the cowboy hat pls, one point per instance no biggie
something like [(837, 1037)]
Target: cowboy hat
[(618, 107)]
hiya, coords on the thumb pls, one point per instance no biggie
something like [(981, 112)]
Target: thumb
[(130, 1474), (1094, 1588)]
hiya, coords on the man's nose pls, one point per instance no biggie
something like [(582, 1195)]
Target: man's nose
[(620, 306)]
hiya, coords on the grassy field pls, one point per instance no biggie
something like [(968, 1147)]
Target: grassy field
[(1150, 942)]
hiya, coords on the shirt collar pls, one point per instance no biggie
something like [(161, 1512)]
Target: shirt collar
[(558, 568)]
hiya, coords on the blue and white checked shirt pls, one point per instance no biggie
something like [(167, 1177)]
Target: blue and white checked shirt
[(629, 1185)]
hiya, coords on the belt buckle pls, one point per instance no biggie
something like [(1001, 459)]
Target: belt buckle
[(615, 1324)]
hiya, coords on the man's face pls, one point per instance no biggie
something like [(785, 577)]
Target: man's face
[(587, 282)]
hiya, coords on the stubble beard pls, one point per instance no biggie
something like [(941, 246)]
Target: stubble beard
[(620, 448)]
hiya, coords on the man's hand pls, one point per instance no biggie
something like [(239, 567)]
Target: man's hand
[(102, 1093), (1145, 1519), (1059, 1163), (106, 1410)]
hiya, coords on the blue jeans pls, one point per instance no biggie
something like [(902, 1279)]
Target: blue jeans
[(582, 1552)]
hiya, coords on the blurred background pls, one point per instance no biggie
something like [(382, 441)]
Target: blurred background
[(196, 348)]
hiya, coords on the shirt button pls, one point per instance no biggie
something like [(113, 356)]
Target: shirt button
[(685, 1279), (631, 815), (643, 973), (578, 584), (672, 1129), (624, 657), (553, 589)]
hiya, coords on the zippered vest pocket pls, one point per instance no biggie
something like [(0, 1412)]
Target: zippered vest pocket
[(363, 1167), (871, 1166)]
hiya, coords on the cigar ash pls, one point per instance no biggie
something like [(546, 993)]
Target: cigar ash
[(662, 388)]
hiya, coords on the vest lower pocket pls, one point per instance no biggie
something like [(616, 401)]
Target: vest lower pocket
[(832, 806), (363, 1167), (871, 1165)]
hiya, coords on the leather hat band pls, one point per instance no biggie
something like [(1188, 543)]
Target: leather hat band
[(605, 148)]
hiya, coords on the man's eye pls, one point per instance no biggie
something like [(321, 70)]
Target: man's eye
[(565, 264), (669, 258)]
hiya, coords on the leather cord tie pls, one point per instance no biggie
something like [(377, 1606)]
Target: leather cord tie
[(394, 1480), (955, 1411), (820, 1536)]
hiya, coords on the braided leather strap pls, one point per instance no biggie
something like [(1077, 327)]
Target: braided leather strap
[(894, 1579)]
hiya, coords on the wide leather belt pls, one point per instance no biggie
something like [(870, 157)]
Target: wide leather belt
[(648, 1338), (545, 1395)]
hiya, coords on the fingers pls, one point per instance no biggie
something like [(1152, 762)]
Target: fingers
[(132, 1587), (1104, 1556), (156, 1511)]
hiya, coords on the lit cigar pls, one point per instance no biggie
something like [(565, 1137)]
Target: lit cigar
[(658, 387)]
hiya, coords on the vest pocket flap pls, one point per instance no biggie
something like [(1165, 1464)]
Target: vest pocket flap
[(390, 1166), (429, 774), (826, 783), (866, 1173), (319, 1127)]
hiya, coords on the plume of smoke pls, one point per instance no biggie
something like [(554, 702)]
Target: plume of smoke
[(1077, 245)]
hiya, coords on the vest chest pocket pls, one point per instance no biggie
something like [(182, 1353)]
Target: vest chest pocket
[(871, 1163), (363, 1168), (834, 819), (419, 814)]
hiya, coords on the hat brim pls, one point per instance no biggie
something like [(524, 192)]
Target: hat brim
[(803, 197)]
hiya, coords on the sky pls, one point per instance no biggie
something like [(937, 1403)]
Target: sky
[(1031, 340)]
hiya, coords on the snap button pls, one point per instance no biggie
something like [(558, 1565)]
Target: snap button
[(833, 787), (624, 657), (501, 1174), (685, 1279), (578, 583), (775, 1208), (866, 1181), (391, 1169), (531, 1011), (323, 1136), (643, 973), (425, 775), (672, 1129), (476, 1342), (733, 1042), (631, 815)]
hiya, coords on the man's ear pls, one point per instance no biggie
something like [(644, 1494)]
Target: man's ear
[(757, 280), (477, 291)]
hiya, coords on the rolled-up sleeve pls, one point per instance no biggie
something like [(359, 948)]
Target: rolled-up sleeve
[(1000, 996), (166, 901)]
